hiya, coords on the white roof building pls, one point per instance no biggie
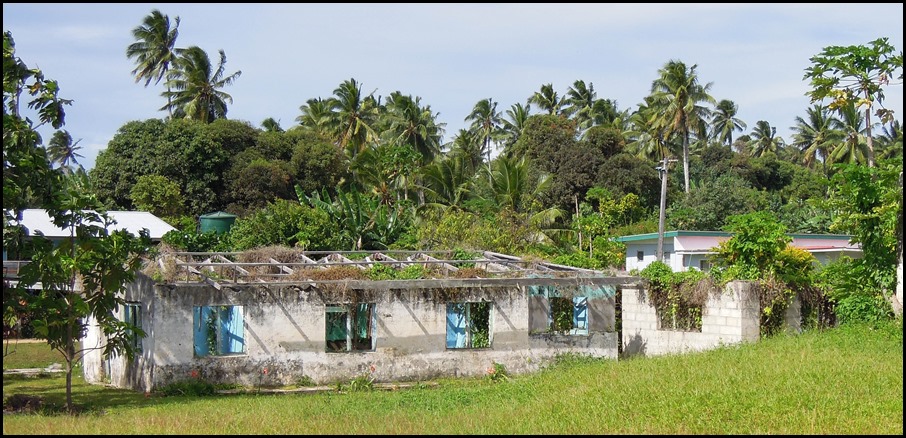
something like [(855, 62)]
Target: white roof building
[(35, 220)]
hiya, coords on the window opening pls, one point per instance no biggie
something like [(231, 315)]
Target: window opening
[(132, 314), (218, 330), (469, 325), (350, 327)]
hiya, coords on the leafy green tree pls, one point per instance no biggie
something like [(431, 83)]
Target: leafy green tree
[(197, 84), (856, 75), (677, 95), (624, 173), (757, 241), (154, 50), (159, 195), (725, 122), (82, 277), (708, 206), (608, 140), (868, 203), (316, 162), (258, 183), (286, 223)]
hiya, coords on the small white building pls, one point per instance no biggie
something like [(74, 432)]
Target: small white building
[(685, 249), (36, 219)]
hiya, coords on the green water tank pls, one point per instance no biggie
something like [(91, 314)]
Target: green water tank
[(218, 222)]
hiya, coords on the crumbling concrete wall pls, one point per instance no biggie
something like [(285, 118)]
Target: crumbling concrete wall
[(285, 334)]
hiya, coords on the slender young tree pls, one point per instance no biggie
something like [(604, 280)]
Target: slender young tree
[(154, 49)]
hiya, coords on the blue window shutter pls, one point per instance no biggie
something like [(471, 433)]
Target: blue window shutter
[(580, 315), (200, 329), (456, 325), (232, 330)]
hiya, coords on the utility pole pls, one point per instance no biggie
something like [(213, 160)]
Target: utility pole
[(661, 219)]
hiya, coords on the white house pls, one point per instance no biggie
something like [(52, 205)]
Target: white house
[(685, 249)]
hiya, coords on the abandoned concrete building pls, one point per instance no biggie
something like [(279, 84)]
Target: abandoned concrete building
[(278, 319)]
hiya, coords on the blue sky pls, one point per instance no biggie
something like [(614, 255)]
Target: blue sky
[(451, 55)]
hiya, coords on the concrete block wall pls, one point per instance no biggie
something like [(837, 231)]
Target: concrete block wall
[(731, 317)]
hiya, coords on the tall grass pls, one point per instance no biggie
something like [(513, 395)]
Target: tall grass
[(847, 380)]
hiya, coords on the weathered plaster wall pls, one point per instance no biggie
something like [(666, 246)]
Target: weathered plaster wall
[(284, 327)]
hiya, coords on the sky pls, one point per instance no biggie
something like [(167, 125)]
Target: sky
[(451, 55)]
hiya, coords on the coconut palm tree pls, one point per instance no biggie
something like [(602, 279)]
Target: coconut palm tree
[(854, 148), (447, 182), (315, 115), (352, 117), (196, 86), (485, 123), (817, 136), (512, 126), (890, 141), (547, 100), (154, 49), (467, 145), (271, 125), (677, 94), (724, 122), (61, 150), (413, 125), (765, 139)]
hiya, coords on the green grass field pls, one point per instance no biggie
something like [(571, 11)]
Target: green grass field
[(847, 380)]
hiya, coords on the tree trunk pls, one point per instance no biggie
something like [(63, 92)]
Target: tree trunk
[(868, 140)]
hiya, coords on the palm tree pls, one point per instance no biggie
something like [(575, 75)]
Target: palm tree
[(890, 141), (447, 182), (485, 122), (196, 86), (410, 124), (724, 121), (764, 139), (154, 49), (854, 148), (62, 150), (817, 136), (315, 115), (467, 146), (511, 130), (677, 93), (271, 125), (352, 117), (547, 99)]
